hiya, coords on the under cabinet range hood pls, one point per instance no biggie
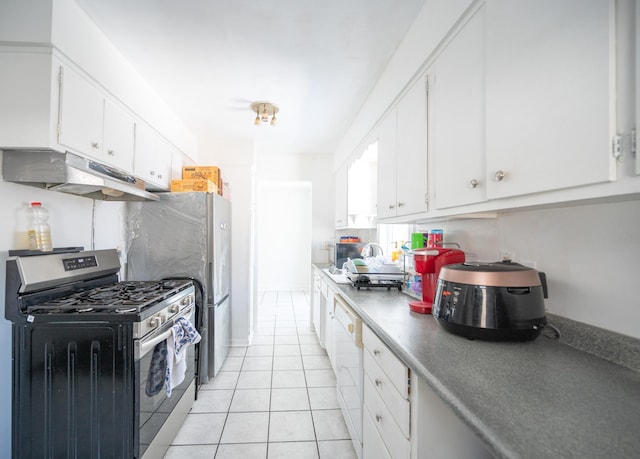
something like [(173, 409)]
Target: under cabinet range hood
[(69, 173)]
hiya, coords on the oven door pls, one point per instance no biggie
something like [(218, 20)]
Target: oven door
[(154, 407)]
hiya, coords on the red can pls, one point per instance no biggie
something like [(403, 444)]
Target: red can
[(436, 238)]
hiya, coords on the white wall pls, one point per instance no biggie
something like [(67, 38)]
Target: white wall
[(71, 225)]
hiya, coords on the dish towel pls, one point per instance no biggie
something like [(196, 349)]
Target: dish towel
[(157, 369), (182, 335)]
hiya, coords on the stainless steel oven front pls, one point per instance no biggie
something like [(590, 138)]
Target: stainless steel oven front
[(160, 414)]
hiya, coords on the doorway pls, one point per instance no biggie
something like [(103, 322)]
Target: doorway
[(283, 249)]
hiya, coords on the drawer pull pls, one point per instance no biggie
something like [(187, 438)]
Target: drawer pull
[(376, 352), (378, 382), (378, 418)]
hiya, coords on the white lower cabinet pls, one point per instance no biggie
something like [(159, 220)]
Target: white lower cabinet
[(329, 326), (437, 431), (386, 401), (403, 418), (381, 415), (373, 446), (315, 309)]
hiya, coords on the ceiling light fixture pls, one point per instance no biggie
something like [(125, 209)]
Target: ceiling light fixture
[(265, 112)]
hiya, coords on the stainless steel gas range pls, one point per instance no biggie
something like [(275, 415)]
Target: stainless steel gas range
[(88, 355)]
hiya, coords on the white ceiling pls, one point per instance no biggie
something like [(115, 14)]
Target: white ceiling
[(209, 59)]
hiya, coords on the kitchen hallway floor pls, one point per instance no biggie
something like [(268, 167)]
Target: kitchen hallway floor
[(273, 399)]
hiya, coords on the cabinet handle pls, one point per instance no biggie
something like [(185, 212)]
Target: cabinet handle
[(152, 173), (378, 382), (401, 204), (378, 418), (111, 153), (350, 328), (474, 183), (376, 352), (95, 145), (159, 176), (391, 207), (500, 176)]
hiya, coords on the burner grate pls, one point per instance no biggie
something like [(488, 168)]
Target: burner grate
[(121, 297)]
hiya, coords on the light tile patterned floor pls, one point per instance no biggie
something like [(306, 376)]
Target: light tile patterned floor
[(275, 399)]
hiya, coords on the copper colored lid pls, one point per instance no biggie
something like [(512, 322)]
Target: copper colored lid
[(499, 274)]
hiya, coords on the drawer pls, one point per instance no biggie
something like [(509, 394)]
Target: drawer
[(395, 441), (373, 446), (397, 371), (398, 406)]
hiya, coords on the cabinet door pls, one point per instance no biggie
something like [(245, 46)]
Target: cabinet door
[(387, 166), (457, 111), (316, 303), (411, 168), (550, 93), (80, 115), (341, 197), (152, 158), (119, 130)]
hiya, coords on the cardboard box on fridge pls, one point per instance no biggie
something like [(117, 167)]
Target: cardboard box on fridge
[(204, 185), (202, 172)]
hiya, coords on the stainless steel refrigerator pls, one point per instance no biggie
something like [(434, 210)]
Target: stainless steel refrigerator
[(188, 235)]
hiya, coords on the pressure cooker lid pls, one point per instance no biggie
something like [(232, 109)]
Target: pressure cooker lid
[(496, 274)]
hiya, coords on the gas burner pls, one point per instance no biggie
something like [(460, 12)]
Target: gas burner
[(127, 297)]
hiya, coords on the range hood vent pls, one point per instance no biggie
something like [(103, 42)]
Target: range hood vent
[(69, 173)]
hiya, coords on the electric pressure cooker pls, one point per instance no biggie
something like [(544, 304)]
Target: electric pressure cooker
[(501, 301)]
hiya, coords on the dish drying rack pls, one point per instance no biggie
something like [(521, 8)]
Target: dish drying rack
[(361, 276)]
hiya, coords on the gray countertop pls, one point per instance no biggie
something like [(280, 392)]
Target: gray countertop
[(535, 399)]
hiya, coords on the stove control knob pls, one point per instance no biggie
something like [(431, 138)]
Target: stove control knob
[(186, 300), (174, 308), (155, 322)]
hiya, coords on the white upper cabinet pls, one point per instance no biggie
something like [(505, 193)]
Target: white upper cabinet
[(118, 140), (152, 158), (411, 168), (550, 92), (456, 102), (340, 198), (362, 188), (92, 125), (80, 114), (402, 156), (387, 166)]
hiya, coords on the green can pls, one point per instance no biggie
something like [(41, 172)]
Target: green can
[(417, 240)]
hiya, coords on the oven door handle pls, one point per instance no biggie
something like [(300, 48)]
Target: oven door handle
[(148, 345)]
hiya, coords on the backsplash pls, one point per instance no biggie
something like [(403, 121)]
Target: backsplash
[(607, 345)]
